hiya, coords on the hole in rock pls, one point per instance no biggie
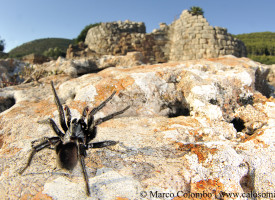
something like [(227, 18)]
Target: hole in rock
[(213, 101), (6, 103), (246, 183), (238, 124), (178, 109), (243, 101)]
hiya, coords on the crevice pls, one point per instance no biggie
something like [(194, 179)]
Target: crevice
[(244, 101), (178, 109), (238, 124), (6, 103)]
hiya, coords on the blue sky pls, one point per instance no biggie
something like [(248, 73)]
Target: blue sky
[(25, 20)]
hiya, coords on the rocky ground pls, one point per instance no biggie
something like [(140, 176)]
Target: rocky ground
[(203, 126)]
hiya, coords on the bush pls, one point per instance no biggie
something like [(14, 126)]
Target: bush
[(82, 36), (40, 46), (53, 53), (194, 10), (2, 45), (260, 46), (268, 60)]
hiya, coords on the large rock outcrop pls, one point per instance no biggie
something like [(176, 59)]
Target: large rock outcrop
[(196, 126)]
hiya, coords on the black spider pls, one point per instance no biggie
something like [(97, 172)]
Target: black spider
[(71, 145)]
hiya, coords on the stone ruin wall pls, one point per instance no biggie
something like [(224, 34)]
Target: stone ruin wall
[(118, 38), (192, 37), (189, 37)]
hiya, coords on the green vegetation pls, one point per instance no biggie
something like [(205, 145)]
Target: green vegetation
[(54, 53), (260, 46), (194, 10), (2, 45), (40, 47), (81, 37)]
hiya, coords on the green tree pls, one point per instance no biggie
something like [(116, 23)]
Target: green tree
[(2, 45), (260, 46), (194, 10), (81, 37), (53, 53)]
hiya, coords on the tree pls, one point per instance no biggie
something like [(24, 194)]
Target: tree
[(53, 53), (2, 45), (82, 36), (194, 10)]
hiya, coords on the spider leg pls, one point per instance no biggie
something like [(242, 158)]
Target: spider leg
[(68, 115), (46, 143), (60, 110), (101, 144), (56, 129), (82, 153), (108, 117), (84, 112), (96, 109)]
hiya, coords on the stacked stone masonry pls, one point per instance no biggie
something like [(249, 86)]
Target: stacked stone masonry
[(192, 37), (189, 37)]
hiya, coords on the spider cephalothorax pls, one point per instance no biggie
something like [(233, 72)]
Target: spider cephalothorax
[(71, 145)]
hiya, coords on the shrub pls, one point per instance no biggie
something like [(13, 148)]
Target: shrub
[(53, 53), (2, 45), (194, 10), (81, 37)]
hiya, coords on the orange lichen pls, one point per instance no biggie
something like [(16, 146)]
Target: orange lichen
[(260, 144), (43, 107), (38, 196), (200, 150), (78, 105), (213, 186), (230, 61), (11, 151), (121, 198), (204, 190), (106, 86)]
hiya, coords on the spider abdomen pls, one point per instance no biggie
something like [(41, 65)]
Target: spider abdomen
[(67, 155)]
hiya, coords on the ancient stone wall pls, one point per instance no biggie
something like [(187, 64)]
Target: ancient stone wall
[(104, 38), (118, 38), (189, 37)]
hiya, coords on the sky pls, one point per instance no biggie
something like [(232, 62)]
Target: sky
[(22, 21)]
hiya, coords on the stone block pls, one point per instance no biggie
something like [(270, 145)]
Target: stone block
[(220, 36), (203, 41), (208, 36)]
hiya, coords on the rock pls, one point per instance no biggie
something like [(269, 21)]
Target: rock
[(129, 60), (71, 67), (80, 50), (35, 59), (9, 69), (196, 126)]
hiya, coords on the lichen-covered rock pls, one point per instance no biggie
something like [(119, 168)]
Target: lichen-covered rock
[(9, 69), (193, 127)]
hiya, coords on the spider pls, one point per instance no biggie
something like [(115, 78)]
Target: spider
[(72, 145)]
